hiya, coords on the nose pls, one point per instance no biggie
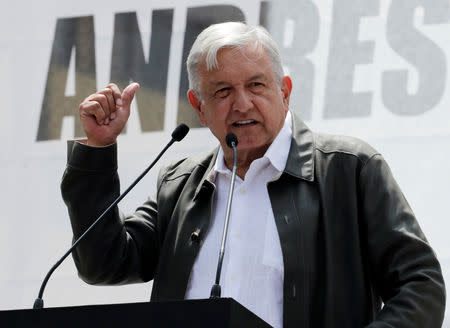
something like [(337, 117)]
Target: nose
[(242, 101)]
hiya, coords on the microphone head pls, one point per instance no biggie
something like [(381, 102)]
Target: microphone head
[(230, 139), (180, 132)]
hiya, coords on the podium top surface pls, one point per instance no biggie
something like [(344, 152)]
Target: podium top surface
[(218, 313)]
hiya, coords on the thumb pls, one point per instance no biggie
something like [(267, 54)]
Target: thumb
[(128, 94)]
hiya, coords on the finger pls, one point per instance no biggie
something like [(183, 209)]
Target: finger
[(116, 93), (92, 109), (110, 98), (103, 101), (128, 94)]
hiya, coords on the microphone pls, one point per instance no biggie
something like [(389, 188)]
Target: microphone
[(232, 142), (180, 132), (177, 135)]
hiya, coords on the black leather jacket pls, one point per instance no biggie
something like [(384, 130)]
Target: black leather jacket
[(349, 238)]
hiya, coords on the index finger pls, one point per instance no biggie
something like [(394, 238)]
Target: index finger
[(116, 94)]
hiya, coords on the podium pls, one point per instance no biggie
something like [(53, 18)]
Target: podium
[(217, 313)]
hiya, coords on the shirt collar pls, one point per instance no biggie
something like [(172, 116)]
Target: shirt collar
[(279, 149)]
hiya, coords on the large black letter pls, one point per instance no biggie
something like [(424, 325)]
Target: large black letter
[(198, 19), (70, 33), (128, 63), (345, 53), (418, 50), (299, 19)]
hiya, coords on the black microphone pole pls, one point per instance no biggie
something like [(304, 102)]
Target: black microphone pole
[(232, 142), (177, 135)]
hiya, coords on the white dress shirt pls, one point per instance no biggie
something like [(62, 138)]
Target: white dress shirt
[(253, 270)]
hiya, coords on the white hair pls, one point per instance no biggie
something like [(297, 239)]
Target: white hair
[(234, 35)]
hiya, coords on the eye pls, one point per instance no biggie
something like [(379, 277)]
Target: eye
[(256, 84), (222, 93)]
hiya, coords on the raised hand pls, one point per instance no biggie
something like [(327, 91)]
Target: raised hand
[(105, 113)]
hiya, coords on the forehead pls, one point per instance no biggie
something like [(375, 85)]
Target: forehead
[(238, 64)]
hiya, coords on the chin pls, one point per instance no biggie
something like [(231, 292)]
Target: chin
[(252, 145)]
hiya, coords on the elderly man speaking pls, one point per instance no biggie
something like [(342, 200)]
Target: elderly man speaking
[(320, 233)]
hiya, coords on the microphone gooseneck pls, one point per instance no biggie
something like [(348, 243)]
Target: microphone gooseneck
[(232, 142), (177, 135)]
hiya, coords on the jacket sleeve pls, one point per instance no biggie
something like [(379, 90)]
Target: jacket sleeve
[(404, 268), (120, 249)]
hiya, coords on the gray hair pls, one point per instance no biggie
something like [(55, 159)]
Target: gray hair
[(233, 35)]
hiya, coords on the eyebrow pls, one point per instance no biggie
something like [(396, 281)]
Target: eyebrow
[(258, 76), (218, 84)]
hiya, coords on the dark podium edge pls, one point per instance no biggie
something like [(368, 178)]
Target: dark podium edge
[(217, 313)]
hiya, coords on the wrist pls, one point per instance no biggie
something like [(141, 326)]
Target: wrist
[(95, 143)]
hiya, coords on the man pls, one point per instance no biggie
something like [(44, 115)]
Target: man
[(320, 233)]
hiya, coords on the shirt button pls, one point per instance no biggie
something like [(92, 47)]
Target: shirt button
[(195, 236), (242, 191)]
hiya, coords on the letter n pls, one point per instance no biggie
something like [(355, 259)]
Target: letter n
[(128, 63), (199, 18)]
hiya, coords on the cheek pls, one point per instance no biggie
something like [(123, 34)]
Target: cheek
[(215, 118), (221, 111), (276, 114)]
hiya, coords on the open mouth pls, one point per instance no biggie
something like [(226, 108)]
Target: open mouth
[(244, 123)]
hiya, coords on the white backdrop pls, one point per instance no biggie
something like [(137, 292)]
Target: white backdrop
[(377, 71)]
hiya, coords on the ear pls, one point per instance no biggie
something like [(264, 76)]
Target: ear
[(286, 88), (196, 103)]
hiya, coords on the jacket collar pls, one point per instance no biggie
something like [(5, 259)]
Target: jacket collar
[(206, 176), (300, 161)]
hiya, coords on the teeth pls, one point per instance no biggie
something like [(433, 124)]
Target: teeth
[(244, 122)]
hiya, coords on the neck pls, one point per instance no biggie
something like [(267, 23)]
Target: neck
[(244, 159)]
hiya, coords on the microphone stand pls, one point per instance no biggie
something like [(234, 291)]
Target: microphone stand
[(177, 135), (232, 142)]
